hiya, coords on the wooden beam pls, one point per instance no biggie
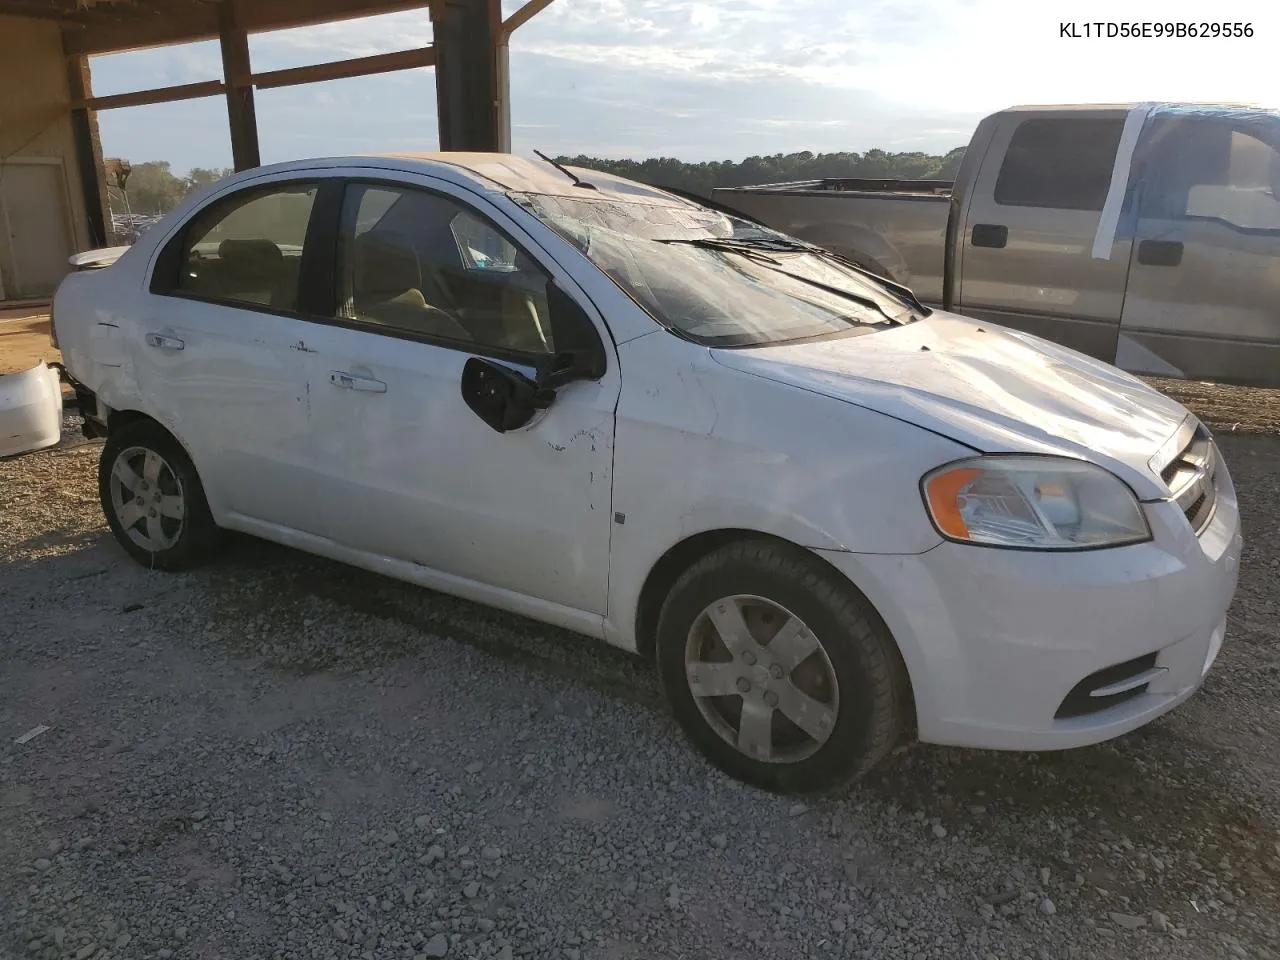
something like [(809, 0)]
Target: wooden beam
[(237, 74), (41, 9), (138, 98), (342, 69), (269, 79), (135, 28), (522, 16), (88, 153)]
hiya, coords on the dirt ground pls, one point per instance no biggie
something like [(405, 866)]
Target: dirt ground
[(24, 339)]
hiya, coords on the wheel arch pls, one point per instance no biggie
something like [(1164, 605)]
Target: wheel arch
[(118, 419), (682, 555)]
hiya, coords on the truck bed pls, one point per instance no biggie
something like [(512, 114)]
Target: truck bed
[(923, 189), (897, 228)]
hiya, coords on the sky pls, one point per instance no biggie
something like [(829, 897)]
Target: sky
[(709, 79)]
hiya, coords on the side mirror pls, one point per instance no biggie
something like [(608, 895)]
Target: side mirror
[(503, 398), (507, 399)]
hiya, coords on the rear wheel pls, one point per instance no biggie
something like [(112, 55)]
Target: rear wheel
[(778, 670), (152, 498)]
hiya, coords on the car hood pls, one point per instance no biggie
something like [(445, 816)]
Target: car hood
[(994, 389)]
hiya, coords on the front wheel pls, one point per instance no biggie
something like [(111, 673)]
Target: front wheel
[(778, 670), (153, 499)]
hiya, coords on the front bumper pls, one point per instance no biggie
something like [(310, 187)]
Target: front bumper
[(996, 640)]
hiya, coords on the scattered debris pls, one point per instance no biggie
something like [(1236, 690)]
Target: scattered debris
[(32, 734)]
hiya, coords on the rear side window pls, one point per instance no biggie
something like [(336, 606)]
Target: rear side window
[(247, 248), (1243, 189), (1061, 164)]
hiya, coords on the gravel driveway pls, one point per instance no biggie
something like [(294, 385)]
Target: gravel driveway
[(282, 757)]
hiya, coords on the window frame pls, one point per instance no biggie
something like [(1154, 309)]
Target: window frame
[(168, 262), (336, 292), (1057, 121)]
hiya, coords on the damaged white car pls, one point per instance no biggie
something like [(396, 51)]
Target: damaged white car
[(836, 518)]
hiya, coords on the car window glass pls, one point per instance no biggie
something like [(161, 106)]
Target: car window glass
[(1242, 188), (248, 248), (425, 264), (1060, 164)]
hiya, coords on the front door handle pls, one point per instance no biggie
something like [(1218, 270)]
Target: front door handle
[(164, 343), (994, 235), (1160, 253), (349, 381)]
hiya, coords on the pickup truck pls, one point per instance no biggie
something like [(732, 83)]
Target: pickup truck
[(1146, 235)]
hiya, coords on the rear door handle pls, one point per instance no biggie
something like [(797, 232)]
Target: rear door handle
[(164, 343), (1160, 253), (994, 235), (349, 381)]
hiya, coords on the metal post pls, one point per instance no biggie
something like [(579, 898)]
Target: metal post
[(504, 94), (238, 77), (466, 39)]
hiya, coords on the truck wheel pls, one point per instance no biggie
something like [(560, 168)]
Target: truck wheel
[(153, 500), (778, 670)]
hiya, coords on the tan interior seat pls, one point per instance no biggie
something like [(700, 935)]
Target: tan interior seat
[(387, 288), (251, 269)]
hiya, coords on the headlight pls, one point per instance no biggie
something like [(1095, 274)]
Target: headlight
[(1037, 503)]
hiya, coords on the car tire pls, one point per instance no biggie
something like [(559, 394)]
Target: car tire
[(153, 499), (834, 668)]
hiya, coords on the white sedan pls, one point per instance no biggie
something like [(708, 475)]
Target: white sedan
[(834, 517)]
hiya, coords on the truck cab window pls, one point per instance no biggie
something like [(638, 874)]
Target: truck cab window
[(1059, 164), (1242, 190)]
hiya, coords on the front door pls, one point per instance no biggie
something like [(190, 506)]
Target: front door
[(223, 351), (1025, 254), (1204, 283), (408, 471)]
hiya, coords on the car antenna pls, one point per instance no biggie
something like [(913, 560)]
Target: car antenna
[(577, 180)]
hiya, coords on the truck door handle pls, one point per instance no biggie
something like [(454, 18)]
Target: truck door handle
[(1160, 253), (349, 381), (164, 343), (990, 235)]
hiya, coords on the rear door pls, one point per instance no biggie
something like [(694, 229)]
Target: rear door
[(1204, 281), (1025, 251), (223, 354)]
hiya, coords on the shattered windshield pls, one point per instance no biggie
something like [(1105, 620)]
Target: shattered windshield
[(717, 279)]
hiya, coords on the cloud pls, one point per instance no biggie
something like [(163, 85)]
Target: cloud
[(720, 79)]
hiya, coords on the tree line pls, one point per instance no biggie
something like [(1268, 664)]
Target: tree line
[(151, 187), (701, 178)]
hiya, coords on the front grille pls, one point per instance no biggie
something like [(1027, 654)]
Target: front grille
[(1192, 478), (1081, 702)]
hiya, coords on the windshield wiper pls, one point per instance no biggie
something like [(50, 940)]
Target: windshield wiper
[(753, 249), (790, 245)]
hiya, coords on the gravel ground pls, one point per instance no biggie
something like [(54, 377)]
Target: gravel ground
[(281, 757)]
